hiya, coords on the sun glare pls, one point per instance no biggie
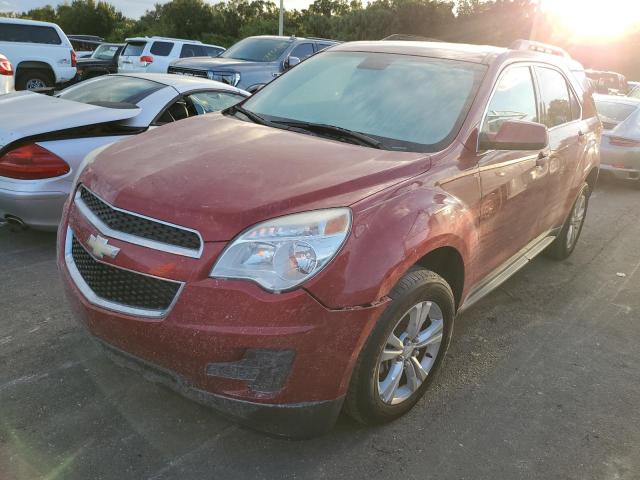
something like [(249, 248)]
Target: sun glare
[(595, 19)]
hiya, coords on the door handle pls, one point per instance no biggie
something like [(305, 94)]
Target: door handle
[(581, 136), (542, 159)]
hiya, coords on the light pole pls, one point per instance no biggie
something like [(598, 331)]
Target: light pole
[(281, 21)]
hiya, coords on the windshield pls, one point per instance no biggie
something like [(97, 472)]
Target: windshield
[(612, 112), (111, 90), (257, 49), (409, 103), (105, 52)]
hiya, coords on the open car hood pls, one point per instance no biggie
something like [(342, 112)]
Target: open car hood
[(25, 114)]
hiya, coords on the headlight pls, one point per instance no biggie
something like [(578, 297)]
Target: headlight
[(283, 253), (230, 78)]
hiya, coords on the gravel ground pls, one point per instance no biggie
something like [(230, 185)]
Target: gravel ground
[(542, 381)]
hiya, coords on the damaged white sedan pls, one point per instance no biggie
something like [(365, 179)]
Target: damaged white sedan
[(44, 140)]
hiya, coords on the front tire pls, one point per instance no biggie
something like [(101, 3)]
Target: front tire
[(564, 244), (404, 351)]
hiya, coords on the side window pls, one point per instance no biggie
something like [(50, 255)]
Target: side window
[(555, 97), (192, 51), (161, 49), (513, 99), (10, 32), (207, 102), (302, 51), (213, 51), (322, 46)]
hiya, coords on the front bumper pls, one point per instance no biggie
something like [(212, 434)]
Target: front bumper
[(207, 344), (37, 209)]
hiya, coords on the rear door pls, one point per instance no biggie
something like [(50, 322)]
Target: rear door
[(562, 114), (514, 183), (129, 60)]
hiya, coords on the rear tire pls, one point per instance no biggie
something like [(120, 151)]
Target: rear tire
[(33, 79), (406, 339), (565, 243)]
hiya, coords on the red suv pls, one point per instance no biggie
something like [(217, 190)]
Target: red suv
[(308, 250)]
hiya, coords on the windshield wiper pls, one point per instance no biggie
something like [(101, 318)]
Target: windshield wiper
[(339, 132), (249, 114)]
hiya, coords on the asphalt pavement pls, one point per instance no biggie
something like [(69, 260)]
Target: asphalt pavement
[(542, 381)]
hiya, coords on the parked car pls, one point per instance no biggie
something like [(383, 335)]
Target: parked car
[(154, 54), (609, 83), (634, 90), (6, 75), (620, 146), (102, 61), (308, 249), (253, 62), (40, 52), (43, 140), (85, 45)]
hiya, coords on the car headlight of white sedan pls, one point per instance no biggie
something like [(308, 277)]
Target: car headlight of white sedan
[(283, 253)]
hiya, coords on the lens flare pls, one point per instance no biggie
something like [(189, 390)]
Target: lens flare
[(594, 19)]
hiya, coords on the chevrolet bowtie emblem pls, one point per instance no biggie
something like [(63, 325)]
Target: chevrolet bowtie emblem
[(101, 248)]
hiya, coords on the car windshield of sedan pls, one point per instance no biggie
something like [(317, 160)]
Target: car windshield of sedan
[(105, 52), (407, 103), (112, 89), (257, 49)]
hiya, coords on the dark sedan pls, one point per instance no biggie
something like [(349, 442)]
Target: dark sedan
[(103, 60)]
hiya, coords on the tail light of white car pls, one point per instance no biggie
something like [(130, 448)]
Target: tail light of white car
[(5, 66), (74, 58), (32, 162), (146, 60)]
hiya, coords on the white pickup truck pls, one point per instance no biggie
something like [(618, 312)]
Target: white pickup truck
[(40, 52)]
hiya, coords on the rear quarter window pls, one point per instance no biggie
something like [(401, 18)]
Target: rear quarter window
[(111, 90), (29, 34), (162, 49), (134, 49)]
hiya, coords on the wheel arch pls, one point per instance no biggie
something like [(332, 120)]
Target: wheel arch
[(447, 262), (592, 178)]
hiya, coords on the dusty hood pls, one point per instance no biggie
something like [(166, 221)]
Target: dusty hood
[(220, 175), (25, 114), (209, 63)]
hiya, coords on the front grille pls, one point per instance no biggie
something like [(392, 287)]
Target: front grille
[(135, 225), (122, 287), (189, 72)]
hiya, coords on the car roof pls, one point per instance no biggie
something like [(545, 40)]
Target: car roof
[(451, 51), (483, 54), (617, 99), (183, 83), (22, 21), (146, 39)]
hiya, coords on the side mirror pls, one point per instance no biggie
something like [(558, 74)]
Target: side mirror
[(291, 62), (516, 135)]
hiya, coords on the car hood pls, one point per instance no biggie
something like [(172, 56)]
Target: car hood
[(220, 175), (208, 63), (25, 114)]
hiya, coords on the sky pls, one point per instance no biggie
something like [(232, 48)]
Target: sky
[(131, 8)]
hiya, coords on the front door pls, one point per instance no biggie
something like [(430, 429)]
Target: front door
[(514, 183)]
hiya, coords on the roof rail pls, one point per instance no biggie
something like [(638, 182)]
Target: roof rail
[(534, 46)]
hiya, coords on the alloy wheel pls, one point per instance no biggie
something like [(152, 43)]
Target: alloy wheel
[(410, 352), (34, 83), (576, 220)]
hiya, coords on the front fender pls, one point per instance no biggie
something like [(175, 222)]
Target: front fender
[(390, 237)]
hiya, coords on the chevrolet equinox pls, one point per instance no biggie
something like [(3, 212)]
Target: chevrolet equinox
[(306, 251)]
